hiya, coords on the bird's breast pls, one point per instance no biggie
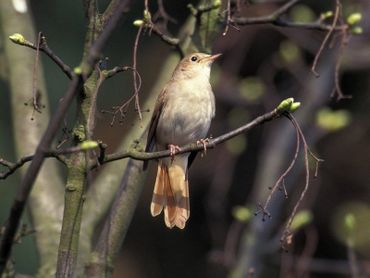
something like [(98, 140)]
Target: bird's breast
[(187, 113)]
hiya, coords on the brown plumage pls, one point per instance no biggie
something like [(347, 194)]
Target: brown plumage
[(182, 115)]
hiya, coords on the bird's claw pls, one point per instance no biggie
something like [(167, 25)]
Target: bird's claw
[(173, 150), (203, 142)]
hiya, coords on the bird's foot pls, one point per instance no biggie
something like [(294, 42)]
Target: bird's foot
[(173, 150), (203, 142)]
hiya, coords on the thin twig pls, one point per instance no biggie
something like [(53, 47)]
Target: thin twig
[(281, 178), (58, 154), (337, 90), (287, 234), (228, 17), (121, 110), (275, 18), (35, 98), (134, 71), (28, 180), (326, 39), (211, 143), (161, 13), (43, 47)]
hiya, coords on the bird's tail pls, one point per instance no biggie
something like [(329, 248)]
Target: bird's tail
[(171, 193)]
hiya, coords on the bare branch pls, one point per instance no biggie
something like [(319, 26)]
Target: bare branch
[(324, 42), (140, 155), (43, 47), (280, 181), (286, 237), (74, 88), (275, 18), (57, 154), (136, 76)]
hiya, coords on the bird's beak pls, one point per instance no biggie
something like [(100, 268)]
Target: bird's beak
[(210, 59)]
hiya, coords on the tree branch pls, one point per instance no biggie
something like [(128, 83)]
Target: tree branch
[(43, 47), (119, 219), (57, 154), (46, 199), (275, 18), (144, 156), (74, 88)]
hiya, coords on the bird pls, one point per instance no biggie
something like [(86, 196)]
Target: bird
[(182, 115)]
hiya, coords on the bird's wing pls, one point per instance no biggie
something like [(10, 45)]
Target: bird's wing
[(150, 143)]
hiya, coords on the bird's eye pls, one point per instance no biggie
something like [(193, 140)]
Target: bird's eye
[(194, 58)]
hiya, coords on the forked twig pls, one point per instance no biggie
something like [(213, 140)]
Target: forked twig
[(286, 237), (280, 180), (326, 39)]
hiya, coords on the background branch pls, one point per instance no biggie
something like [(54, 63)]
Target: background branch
[(45, 201), (275, 18), (28, 180)]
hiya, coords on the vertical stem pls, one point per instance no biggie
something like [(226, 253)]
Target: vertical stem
[(116, 226), (68, 247)]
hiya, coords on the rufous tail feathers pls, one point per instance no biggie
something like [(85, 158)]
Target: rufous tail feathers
[(171, 193)]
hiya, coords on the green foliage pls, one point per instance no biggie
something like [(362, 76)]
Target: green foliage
[(332, 120), (351, 223), (237, 145), (301, 219), (242, 214), (289, 51), (251, 88), (208, 29), (302, 13), (357, 30)]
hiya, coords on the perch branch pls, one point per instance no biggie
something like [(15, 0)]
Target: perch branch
[(140, 155)]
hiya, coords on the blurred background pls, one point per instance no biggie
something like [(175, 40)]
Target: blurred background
[(260, 66)]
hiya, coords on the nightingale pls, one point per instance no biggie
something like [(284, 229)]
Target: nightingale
[(182, 115)]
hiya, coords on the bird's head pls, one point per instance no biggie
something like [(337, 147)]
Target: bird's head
[(195, 65)]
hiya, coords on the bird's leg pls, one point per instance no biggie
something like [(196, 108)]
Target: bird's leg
[(173, 150), (203, 142)]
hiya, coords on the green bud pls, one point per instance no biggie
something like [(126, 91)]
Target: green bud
[(147, 16), (77, 70), (301, 219), (357, 30), (138, 22), (17, 38), (286, 104), (241, 213), (327, 14), (88, 144), (354, 18), (294, 106)]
